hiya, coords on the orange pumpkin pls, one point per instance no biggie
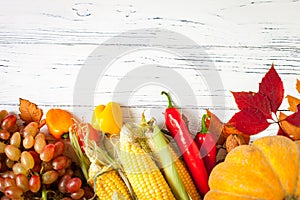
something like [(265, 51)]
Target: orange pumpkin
[(269, 168)]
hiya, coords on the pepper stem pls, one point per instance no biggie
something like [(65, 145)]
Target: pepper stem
[(169, 99), (203, 124)]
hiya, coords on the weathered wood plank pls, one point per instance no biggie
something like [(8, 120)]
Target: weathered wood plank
[(44, 45)]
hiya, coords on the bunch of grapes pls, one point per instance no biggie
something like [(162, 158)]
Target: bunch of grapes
[(33, 167)]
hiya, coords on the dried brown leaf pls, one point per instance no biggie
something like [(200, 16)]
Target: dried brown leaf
[(29, 112), (233, 141)]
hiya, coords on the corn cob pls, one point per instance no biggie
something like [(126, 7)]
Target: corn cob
[(185, 176), (144, 176), (107, 183)]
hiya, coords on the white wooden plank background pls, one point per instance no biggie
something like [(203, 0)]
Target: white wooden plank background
[(44, 45)]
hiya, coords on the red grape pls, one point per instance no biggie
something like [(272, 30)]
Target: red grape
[(78, 194), (9, 122), (59, 163), (47, 153), (73, 185), (88, 192), (59, 148), (34, 183), (49, 177), (63, 182), (22, 182), (4, 134)]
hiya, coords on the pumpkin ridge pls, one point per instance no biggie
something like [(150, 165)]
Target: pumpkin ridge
[(271, 167), (260, 148), (222, 179), (251, 149)]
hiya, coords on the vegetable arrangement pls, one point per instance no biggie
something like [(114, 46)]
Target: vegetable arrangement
[(126, 160)]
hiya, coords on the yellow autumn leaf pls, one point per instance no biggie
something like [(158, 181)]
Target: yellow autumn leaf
[(288, 128)]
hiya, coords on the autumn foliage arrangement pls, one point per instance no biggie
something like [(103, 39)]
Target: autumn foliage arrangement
[(258, 110)]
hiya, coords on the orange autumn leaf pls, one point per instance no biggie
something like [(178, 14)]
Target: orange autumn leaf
[(288, 128), (29, 112), (298, 85), (293, 102)]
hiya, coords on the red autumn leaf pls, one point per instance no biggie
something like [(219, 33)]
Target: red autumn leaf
[(249, 121), (272, 87), (294, 118), (253, 100)]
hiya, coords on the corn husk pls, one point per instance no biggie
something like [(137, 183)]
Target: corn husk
[(99, 155)]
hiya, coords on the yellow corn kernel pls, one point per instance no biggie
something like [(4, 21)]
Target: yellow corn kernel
[(107, 183), (185, 176), (144, 176)]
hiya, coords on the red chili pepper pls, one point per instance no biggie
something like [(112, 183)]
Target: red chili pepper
[(206, 142), (190, 152)]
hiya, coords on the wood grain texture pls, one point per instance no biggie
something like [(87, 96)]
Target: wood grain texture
[(44, 45)]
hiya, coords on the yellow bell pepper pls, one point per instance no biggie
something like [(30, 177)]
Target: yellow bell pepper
[(108, 119)]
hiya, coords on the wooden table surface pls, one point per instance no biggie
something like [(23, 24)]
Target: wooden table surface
[(78, 54)]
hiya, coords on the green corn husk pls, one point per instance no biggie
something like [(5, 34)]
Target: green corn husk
[(159, 147)]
